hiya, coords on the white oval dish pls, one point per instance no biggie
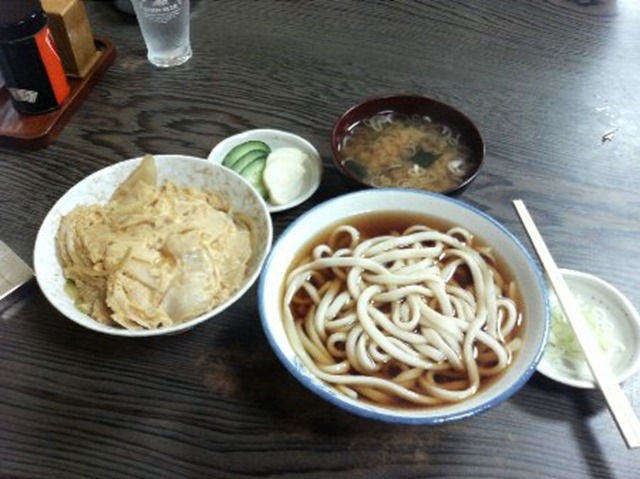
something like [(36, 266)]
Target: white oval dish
[(441, 209), (598, 293), (277, 139), (98, 188)]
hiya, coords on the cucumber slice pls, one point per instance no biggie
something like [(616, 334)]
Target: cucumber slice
[(248, 158), (240, 150), (262, 191), (253, 174)]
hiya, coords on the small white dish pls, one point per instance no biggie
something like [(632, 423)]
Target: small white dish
[(596, 292), (277, 139)]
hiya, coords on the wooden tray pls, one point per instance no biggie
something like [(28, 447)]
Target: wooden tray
[(37, 131)]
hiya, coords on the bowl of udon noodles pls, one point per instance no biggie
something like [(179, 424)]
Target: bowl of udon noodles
[(404, 306), (407, 141), (152, 246)]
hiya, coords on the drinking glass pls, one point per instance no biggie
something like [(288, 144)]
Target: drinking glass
[(165, 29)]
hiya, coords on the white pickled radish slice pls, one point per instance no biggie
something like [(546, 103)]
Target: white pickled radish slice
[(285, 174)]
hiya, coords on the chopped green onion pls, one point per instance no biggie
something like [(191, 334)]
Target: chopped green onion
[(563, 342)]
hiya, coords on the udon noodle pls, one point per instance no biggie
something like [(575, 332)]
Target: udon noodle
[(418, 317)]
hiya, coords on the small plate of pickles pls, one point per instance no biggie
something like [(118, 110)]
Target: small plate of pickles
[(283, 167)]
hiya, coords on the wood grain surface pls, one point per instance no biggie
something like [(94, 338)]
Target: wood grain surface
[(554, 88)]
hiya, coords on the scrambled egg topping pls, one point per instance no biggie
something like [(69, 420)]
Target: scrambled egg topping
[(153, 256)]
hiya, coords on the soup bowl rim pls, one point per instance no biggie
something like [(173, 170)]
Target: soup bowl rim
[(495, 394)]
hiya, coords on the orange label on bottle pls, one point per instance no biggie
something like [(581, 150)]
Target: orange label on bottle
[(53, 64)]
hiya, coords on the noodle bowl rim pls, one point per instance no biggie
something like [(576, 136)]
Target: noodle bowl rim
[(377, 201)]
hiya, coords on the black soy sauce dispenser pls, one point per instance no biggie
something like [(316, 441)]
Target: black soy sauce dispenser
[(29, 62)]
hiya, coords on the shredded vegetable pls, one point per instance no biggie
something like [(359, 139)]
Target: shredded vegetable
[(563, 343)]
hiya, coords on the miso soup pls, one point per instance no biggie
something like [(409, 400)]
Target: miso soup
[(396, 150)]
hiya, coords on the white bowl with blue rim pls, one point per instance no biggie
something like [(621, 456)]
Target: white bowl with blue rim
[(440, 208)]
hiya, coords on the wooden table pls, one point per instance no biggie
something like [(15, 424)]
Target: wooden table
[(553, 86)]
